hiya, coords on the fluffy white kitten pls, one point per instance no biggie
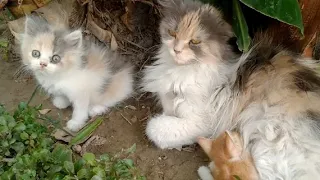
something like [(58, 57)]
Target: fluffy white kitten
[(75, 72), (188, 71)]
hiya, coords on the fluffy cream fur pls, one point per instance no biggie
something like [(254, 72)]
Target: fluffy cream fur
[(75, 72)]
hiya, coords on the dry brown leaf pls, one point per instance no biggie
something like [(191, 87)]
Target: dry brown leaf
[(114, 44), (3, 3), (44, 111), (102, 34), (61, 135)]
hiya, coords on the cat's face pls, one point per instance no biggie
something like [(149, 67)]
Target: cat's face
[(193, 32), (47, 50)]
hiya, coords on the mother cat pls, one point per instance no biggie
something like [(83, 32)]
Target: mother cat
[(271, 96)]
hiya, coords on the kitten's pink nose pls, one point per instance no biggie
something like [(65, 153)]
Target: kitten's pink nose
[(177, 51), (42, 64)]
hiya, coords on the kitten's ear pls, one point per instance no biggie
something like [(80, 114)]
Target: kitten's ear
[(233, 144), (74, 38), (36, 24), (205, 144)]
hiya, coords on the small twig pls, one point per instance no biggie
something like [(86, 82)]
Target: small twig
[(33, 94), (126, 119), (145, 118)]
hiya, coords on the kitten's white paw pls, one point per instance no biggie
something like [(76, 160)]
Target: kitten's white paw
[(168, 132), (97, 110), (61, 102), (75, 125), (205, 173)]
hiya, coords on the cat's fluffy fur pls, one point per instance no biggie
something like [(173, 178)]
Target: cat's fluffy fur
[(88, 77), (271, 96), (228, 158)]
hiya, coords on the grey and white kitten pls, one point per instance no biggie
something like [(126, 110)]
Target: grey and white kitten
[(271, 96), (74, 71)]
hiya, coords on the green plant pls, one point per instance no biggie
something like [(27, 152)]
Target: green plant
[(28, 152), (287, 11)]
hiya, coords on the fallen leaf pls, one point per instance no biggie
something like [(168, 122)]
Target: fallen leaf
[(44, 111), (61, 135), (114, 44)]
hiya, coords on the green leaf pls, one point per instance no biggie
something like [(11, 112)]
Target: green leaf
[(287, 11), (128, 162), (240, 27), (24, 136), (22, 106), (79, 164), (86, 132), (20, 127), (83, 174), (69, 167), (3, 121), (96, 177), (236, 177), (89, 158), (105, 157), (4, 130), (18, 146), (10, 120), (62, 153), (132, 149), (99, 172)]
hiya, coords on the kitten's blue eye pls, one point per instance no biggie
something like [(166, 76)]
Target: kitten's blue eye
[(55, 59), (36, 54)]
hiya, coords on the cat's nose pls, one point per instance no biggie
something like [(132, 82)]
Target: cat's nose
[(42, 64), (177, 51)]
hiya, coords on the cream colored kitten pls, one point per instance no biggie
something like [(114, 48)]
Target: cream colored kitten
[(75, 72), (228, 157)]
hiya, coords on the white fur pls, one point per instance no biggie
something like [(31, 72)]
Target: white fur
[(69, 83), (186, 96), (205, 173)]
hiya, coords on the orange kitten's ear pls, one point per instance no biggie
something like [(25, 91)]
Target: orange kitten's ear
[(233, 144), (205, 144)]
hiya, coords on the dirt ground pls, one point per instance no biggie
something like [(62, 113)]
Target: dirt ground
[(154, 163)]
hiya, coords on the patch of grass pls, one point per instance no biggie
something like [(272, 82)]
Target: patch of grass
[(28, 152)]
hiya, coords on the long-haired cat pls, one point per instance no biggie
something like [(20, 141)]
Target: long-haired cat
[(74, 71), (229, 159), (269, 95)]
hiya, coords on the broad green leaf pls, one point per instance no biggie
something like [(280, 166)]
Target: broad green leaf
[(20, 127), (10, 120), (3, 121), (240, 27), (105, 157), (24, 136), (99, 172), (128, 162), (62, 153), (69, 167), (86, 132), (287, 11), (96, 177), (89, 158), (4, 130), (79, 164), (83, 174), (22, 106), (18, 146)]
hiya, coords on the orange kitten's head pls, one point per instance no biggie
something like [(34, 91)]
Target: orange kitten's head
[(228, 156)]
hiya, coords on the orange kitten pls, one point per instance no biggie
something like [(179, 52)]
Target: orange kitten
[(229, 159)]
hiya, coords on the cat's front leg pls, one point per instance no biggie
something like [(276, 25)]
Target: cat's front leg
[(205, 173), (172, 132), (61, 102), (79, 115)]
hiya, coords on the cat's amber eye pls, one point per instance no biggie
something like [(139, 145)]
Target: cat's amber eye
[(36, 54), (194, 41), (55, 59), (172, 33)]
